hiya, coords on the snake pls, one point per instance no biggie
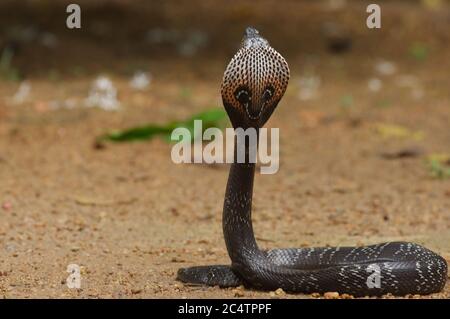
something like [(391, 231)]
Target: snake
[(253, 84)]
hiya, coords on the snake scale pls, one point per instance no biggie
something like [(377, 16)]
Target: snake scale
[(253, 84)]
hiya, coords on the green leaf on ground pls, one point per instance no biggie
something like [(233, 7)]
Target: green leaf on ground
[(419, 51), (397, 131), (346, 101), (211, 118), (384, 103), (439, 165)]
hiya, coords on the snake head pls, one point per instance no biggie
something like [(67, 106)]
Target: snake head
[(254, 82)]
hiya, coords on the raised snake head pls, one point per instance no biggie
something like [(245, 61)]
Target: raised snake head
[(254, 82)]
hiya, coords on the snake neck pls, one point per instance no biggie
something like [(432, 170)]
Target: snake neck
[(237, 211)]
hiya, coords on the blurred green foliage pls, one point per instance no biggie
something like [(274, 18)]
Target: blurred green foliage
[(211, 118), (7, 70), (419, 51), (439, 165)]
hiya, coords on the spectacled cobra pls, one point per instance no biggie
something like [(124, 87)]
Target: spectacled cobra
[(253, 84)]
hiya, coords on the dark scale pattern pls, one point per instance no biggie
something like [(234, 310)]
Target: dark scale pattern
[(253, 84)]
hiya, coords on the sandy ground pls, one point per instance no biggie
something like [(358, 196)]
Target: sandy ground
[(130, 217)]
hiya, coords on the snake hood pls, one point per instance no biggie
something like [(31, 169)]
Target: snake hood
[(254, 81)]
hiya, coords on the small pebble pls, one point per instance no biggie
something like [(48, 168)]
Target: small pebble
[(6, 205), (280, 292), (385, 67), (375, 84), (331, 295), (238, 291)]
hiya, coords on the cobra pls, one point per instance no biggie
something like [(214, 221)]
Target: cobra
[(253, 84)]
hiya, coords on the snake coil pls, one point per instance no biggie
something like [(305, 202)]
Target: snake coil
[(253, 84)]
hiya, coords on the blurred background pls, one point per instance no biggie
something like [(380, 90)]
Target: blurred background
[(364, 129)]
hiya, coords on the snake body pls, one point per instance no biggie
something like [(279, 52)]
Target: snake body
[(253, 84)]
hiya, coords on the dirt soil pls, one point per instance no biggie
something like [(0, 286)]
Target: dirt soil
[(353, 168)]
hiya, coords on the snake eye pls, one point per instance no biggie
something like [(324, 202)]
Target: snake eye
[(268, 93), (243, 96)]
